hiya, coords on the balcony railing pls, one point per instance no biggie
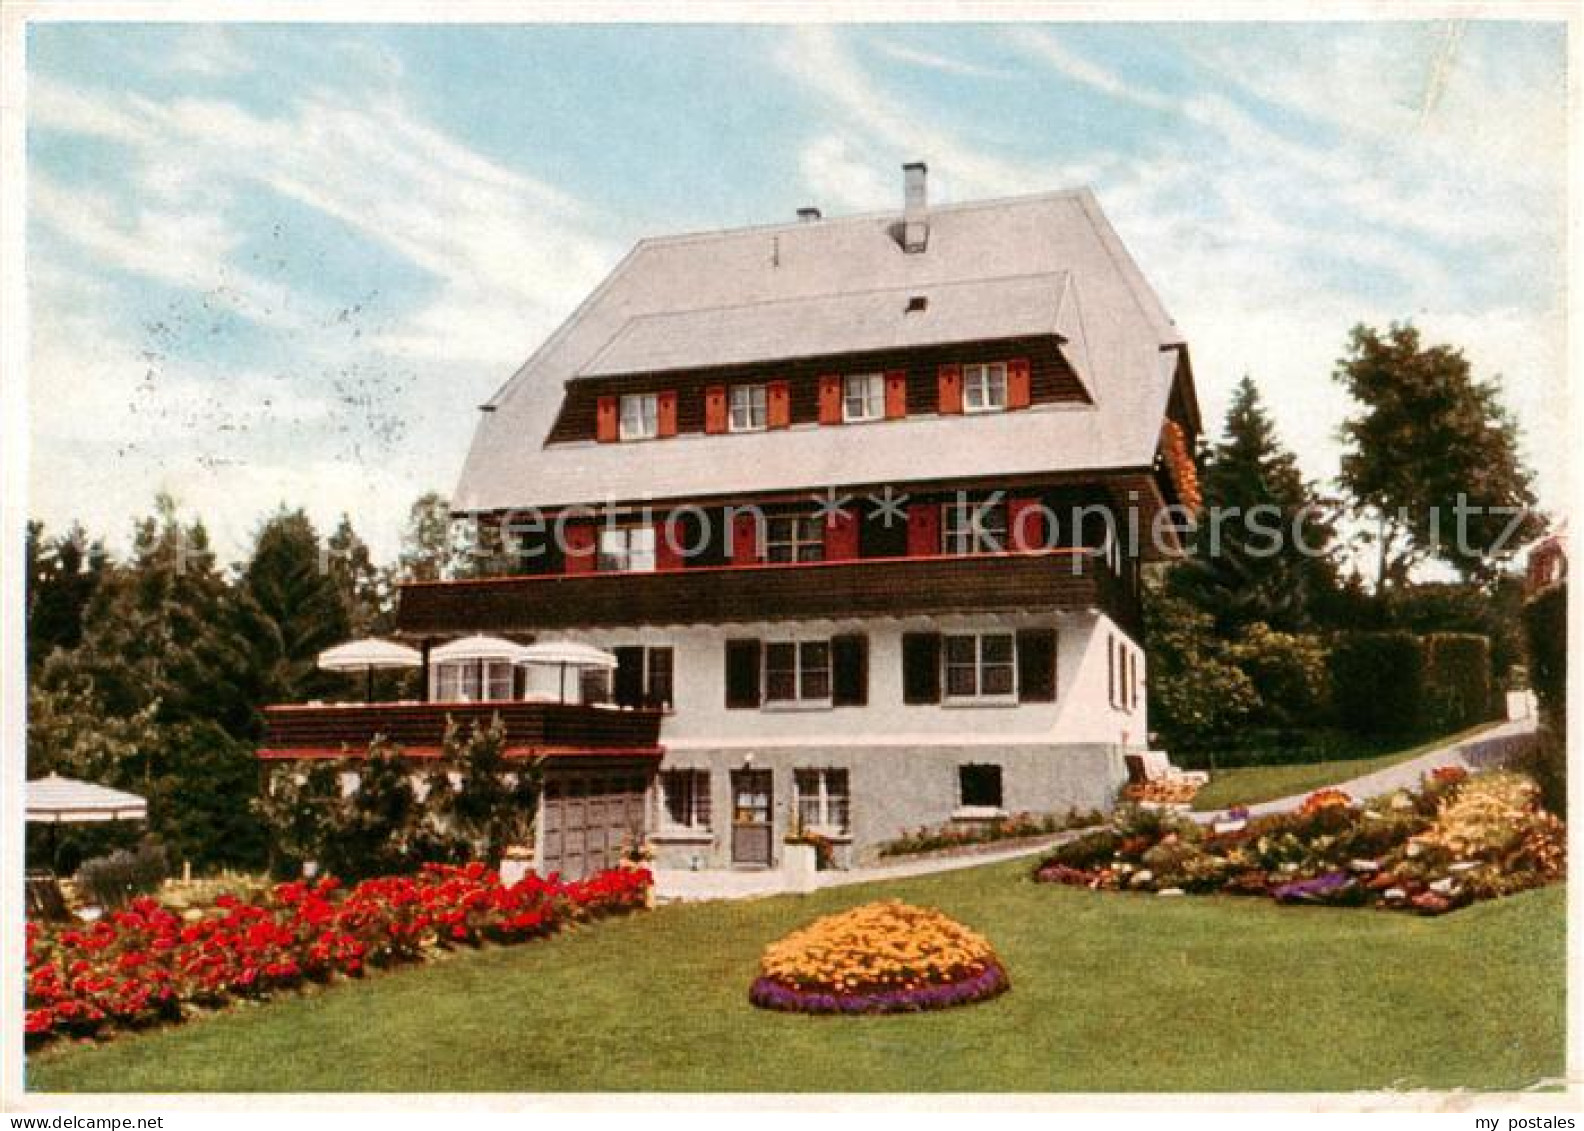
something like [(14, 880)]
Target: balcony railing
[(1060, 579), (327, 730)]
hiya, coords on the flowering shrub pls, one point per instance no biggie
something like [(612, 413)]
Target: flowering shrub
[(1445, 776), (1161, 792), (1322, 799), (146, 963), (878, 958), (1461, 838)]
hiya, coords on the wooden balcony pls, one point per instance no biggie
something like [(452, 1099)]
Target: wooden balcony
[(550, 729), (1058, 579)]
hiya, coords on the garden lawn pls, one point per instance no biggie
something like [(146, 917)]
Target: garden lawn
[(1110, 992), (1249, 785)]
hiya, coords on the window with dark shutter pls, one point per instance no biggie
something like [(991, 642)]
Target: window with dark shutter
[(921, 667), (850, 661), (742, 673), (1036, 661)]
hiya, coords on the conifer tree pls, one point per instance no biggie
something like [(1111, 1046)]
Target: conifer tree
[(1247, 565)]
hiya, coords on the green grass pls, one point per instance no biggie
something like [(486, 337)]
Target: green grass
[(1110, 992), (1249, 785)]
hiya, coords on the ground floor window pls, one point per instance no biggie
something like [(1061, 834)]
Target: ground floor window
[(824, 803), (979, 786), (685, 798)]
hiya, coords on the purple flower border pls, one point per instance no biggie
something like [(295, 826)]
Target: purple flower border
[(767, 993)]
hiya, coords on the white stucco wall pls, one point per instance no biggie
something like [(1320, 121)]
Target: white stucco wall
[(1082, 712)]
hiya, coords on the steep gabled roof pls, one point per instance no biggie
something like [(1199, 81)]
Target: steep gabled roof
[(1046, 264)]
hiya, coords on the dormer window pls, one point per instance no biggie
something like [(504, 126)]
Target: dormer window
[(863, 397), (985, 387), (640, 416), (748, 408)]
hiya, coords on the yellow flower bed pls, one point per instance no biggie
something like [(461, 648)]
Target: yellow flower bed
[(879, 946)]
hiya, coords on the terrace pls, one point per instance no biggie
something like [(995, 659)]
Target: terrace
[(560, 730)]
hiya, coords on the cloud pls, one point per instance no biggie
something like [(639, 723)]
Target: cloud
[(505, 252), (1300, 188), (1048, 47), (929, 60), (870, 121)]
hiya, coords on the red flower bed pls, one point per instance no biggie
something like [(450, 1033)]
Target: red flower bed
[(146, 964)]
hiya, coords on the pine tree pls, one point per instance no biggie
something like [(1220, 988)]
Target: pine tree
[(1247, 566), (364, 588), (289, 608), (62, 575)]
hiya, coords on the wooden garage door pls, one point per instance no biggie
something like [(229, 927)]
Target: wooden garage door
[(587, 819)]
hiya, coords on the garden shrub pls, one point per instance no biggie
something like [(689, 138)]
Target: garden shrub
[(383, 828), (110, 881), (1457, 681), (1088, 851), (1546, 762), (1377, 682), (1545, 626), (1289, 674)]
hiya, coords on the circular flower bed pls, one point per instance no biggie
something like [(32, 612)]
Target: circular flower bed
[(886, 957)]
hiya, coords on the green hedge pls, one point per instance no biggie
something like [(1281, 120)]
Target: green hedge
[(1377, 682), (1457, 681), (1545, 625)]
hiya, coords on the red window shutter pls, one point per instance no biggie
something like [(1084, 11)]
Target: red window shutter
[(1025, 524), (665, 413), (923, 530), (950, 384), (605, 420), (668, 544), (841, 536), (580, 547), (896, 394), (778, 404), (1018, 395), (830, 400), (715, 409), (745, 538)]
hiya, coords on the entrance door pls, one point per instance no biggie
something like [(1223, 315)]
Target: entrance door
[(751, 809)]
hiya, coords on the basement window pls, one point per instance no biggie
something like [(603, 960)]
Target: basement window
[(917, 305), (979, 787)]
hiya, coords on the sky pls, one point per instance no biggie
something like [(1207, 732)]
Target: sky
[(284, 264)]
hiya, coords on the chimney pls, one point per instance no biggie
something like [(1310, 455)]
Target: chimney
[(808, 215), (915, 207)]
